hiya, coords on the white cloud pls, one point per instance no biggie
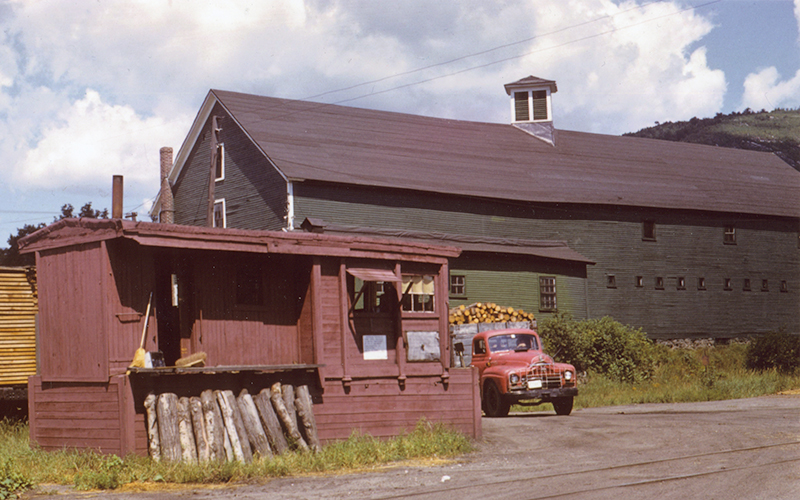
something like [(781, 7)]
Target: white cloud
[(91, 141), (764, 90)]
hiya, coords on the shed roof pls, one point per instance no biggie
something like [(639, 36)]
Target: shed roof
[(331, 143), (69, 232)]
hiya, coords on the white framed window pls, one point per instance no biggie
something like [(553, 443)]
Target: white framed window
[(531, 105), (458, 285), (220, 219), (219, 172), (418, 293), (547, 293)]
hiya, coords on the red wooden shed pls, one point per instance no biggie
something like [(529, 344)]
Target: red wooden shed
[(363, 322)]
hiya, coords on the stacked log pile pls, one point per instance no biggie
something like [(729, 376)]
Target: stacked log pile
[(219, 426), (488, 312)]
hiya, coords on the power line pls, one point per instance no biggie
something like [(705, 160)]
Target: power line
[(475, 54), (519, 56)]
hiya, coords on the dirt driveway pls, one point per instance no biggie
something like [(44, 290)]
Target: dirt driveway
[(746, 448)]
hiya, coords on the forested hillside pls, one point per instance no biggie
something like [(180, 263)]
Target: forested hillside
[(775, 131)]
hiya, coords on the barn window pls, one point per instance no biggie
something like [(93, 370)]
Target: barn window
[(746, 285), (729, 236), (639, 281), (728, 284), (649, 230), (681, 284), (219, 164), (458, 285), (521, 112), (220, 219), (784, 286), (418, 293), (530, 103), (611, 281), (765, 285), (547, 293), (659, 283), (701, 283)]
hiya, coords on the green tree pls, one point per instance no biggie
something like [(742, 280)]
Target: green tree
[(11, 257)]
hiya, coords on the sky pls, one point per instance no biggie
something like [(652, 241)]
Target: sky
[(93, 89)]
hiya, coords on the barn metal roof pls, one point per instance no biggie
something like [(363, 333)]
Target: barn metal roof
[(331, 143)]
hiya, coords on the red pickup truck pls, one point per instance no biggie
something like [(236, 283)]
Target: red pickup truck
[(514, 370)]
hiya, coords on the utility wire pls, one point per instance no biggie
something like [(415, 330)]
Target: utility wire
[(487, 51)]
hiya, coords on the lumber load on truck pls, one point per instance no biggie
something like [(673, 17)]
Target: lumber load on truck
[(488, 312)]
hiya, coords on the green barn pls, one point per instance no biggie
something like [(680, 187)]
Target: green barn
[(682, 240)]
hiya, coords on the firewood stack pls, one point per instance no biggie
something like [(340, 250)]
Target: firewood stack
[(487, 313), (219, 426)]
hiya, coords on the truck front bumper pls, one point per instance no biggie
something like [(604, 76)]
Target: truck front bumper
[(543, 395)]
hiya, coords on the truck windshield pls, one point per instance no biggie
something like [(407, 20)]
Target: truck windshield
[(513, 342)]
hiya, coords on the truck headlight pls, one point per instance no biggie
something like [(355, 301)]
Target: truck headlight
[(567, 375), (514, 379)]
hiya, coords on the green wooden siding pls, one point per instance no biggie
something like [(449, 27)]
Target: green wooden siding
[(254, 192), (688, 244), (514, 281)]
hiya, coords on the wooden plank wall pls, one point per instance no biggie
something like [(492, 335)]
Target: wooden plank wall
[(75, 415), (234, 334), (72, 280), (18, 308), (381, 408)]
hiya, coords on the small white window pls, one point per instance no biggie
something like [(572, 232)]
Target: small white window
[(219, 174), (219, 213)]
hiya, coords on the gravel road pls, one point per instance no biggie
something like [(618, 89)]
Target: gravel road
[(747, 448)]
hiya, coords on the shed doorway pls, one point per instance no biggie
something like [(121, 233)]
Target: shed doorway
[(174, 300)]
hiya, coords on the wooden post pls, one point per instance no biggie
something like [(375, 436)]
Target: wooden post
[(287, 392), (285, 418), (235, 430), (214, 141), (272, 425), (305, 412), (200, 434), (153, 440), (185, 431), (255, 432), (168, 430), (214, 428)]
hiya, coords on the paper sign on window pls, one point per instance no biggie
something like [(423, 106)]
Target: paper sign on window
[(375, 347), (423, 346)]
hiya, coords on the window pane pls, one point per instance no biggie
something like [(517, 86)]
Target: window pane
[(521, 113)]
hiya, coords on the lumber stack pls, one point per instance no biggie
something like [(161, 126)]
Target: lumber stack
[(488, 312), (220, 426), (18, 308)]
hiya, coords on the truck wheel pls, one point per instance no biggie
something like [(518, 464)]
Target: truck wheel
[(563, 406), (494, 405)]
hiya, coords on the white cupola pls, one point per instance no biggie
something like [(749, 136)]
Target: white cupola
[(531, 106)]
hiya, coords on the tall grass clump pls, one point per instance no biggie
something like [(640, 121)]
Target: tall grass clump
[(21, 467)]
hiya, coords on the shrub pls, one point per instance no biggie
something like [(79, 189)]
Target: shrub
[(779, 350), (600, 345)]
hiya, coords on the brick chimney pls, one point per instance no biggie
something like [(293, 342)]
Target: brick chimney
[(167, 213)]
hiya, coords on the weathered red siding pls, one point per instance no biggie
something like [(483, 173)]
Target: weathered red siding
[(73, 279)]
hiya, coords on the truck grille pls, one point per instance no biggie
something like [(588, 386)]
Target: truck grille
[(551, 378)]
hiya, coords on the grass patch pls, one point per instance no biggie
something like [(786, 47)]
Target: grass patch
[(21, 466)]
